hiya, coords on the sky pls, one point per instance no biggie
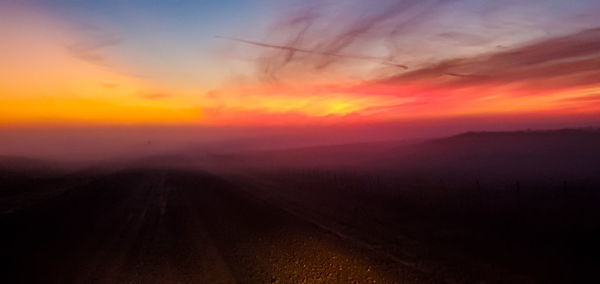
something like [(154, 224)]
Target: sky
[(267, 62)]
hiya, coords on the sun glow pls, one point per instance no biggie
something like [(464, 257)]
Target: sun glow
[(54, 71)]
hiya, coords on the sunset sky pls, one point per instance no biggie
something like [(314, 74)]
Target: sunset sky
[(267, 62)]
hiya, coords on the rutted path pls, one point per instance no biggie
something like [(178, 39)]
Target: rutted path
[(166, 226)]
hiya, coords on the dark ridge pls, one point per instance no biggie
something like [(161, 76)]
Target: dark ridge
[(564, 131), (30, 166)]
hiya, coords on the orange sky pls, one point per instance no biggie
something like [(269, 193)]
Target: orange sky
[(55, 73)]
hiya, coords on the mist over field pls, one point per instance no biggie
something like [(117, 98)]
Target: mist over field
[(86, 145)]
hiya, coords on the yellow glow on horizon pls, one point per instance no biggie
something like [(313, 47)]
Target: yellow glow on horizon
[(57, 110), (309, 105), (41, 81)]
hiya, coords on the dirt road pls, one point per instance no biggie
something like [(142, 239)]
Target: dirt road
[(186, 227)]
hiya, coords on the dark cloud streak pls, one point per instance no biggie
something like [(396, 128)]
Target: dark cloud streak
[(292, 50), (565, 61)]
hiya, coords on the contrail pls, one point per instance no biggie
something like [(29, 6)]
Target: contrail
[(294, 49)]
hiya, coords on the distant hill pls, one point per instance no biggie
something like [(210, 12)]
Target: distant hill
[(518, 154), (572, 152), (23, 165)]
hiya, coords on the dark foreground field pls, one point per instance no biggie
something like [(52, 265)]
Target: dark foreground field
[(494, 208), (165, 226)]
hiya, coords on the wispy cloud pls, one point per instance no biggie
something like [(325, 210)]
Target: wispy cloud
[(155, 96), (292, 50), (313, 40), (91, 49), (560, 62), (109, 85), (586, 98)]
